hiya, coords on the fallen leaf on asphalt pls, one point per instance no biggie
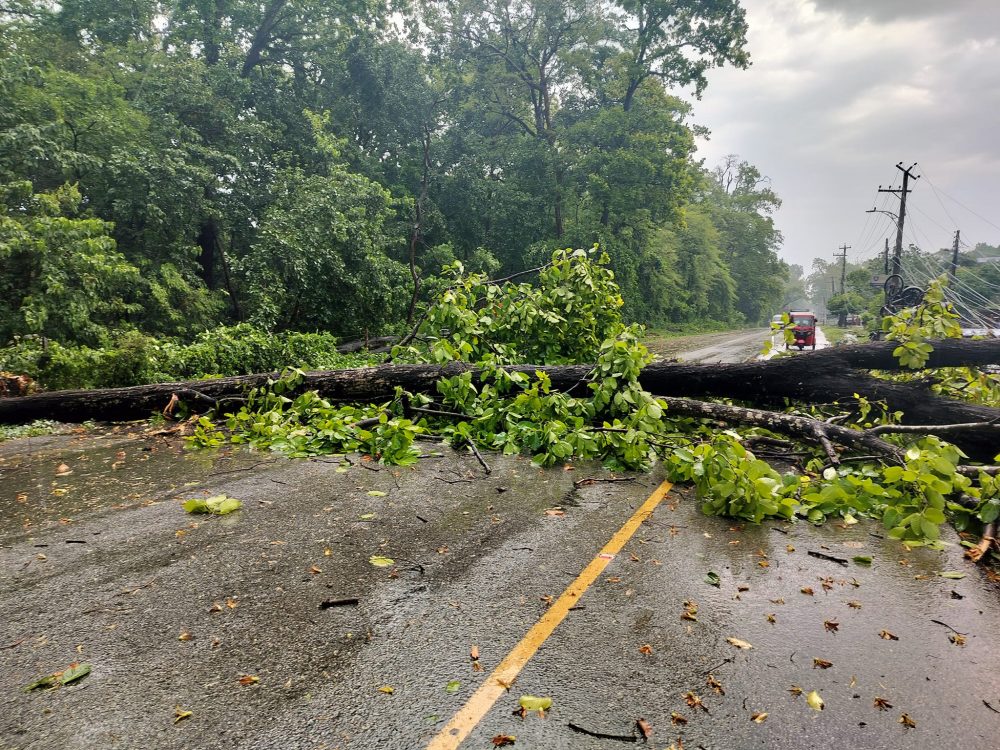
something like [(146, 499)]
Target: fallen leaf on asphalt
[(694, 701), (646, 650), (535, 703), (715, 685), (613, 579), (690, 611), (184, 636), (795, 690), (953, 575), (712, 579), (807, 590), (885, 635), (452, 686), (906, 721), (249, 679), (739, 643), (760, 717), (366, 517), (634, 557), (831, 625), (776, 601), (315, 570), (764, 563), (218, 505), (503, 740), (821, 663), (376, 493), (442, 550), (814, 701), (231, 602), (677, 720), (216, 607), (882, 704), (742, 589), (957, 638), (180, 714), (789, 548), (854, 604), (865, 560), (555, 512), (645, 729), (381, 562), (73, 673), (771, 618), (474, 653), (547, 599), (62, 470), (387, 689)]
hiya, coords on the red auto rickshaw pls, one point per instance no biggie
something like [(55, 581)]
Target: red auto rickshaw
[(804, 330)]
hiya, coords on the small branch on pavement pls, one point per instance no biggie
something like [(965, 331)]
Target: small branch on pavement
[(593, 480), (602, 735), (831, 558), (944, 624), (479, 457), (989, 537)]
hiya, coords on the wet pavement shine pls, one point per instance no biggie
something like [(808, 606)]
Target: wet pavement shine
[(178, 613)]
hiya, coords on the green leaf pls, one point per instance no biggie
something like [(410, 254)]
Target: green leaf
[(865, 560), (218, 505), (381, 562), (376, 493), (452, 686), (74, 673), (712, 579), (534, 703), (955, 575), (41, 682)]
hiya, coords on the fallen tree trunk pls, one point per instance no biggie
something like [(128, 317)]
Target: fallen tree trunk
[(821, 377)]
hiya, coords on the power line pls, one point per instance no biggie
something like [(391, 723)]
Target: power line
[(971, 211)]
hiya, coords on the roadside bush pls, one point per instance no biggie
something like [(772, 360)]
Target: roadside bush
[(133, 358)]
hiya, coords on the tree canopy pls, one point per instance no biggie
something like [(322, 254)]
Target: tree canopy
[(171, 166)]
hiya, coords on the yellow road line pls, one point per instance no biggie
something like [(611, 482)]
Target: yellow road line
[(463, 722)]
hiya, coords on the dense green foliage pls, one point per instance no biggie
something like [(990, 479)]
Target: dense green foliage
[(133, 358), (168, 167)]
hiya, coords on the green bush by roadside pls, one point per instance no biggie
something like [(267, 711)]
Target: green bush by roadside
[(133, 358)]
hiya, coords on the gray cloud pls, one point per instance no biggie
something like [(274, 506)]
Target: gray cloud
[(833, 102)]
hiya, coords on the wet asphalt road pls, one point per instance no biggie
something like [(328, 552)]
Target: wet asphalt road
[(741, 346), (112, 572)]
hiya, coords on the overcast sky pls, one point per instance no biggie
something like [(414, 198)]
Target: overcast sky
[(842, 90)]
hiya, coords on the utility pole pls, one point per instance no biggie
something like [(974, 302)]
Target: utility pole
[(954, 257), (885, 257), (897, 264), (843, 266), (842, 317)]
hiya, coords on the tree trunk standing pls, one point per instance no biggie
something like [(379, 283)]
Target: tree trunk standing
[(821, 377), (208, 241), (418, 228)]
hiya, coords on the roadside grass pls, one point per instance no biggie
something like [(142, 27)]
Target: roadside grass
[(33, 429), (835, 334)]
